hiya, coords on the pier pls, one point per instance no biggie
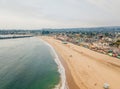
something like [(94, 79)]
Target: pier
[(14, 36)]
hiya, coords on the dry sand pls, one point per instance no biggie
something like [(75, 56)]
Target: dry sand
[(86, 69)]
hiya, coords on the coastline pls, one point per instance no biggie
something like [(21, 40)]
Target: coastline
[(69, 78), (62, 83), (69, 83), (86, 69)]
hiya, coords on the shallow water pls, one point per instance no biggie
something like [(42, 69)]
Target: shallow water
[(27, 63)]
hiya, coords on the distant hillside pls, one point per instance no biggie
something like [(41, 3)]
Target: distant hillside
[(49, 30)]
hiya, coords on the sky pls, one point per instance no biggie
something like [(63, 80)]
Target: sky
[(37, 14)]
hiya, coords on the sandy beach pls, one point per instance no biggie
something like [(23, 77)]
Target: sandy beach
[(86, 69)]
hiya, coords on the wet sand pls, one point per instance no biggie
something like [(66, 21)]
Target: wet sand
[(86, 69)]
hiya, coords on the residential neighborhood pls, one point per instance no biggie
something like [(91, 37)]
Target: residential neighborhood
[(106, 43)]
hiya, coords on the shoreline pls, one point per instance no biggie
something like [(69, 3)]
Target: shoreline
[(86, 69), (70, 83), (62, 83), (69, 78)]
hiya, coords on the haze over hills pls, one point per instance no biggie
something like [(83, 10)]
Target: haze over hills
[(49, 30)]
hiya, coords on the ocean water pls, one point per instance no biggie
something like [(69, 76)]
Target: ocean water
[(27, 63)]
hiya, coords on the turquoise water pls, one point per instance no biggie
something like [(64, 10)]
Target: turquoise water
[(27, 63)]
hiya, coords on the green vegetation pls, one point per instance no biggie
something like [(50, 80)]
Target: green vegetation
[(117, 43)]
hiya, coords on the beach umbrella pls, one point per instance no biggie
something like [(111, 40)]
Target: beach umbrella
[(115, 55), (110, 54), (118, 56), (110, 51)]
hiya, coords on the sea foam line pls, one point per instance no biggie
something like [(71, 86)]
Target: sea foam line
[(61, 69)]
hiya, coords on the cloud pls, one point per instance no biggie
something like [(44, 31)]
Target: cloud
[(58, 13), (111, 6)]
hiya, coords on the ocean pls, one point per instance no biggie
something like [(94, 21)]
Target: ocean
[(27, 63)]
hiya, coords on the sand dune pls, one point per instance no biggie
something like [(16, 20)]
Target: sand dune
[(86, 69)]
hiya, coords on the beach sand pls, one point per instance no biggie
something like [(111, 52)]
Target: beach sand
[(86, 69)]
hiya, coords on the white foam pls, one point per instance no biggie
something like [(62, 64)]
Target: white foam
[(61, 70)]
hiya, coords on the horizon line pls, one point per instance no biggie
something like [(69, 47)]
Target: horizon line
[(58, 28)]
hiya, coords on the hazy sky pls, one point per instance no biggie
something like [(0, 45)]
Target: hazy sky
[(34, 14)]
